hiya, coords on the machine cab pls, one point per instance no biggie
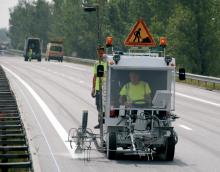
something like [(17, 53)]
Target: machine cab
[(155, 90)]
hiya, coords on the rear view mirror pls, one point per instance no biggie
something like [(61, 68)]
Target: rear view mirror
[(116, 58), (182, 74), (100, 71)]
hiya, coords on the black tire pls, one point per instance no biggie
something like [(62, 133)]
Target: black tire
[(84, 120), (25, 58), (168, 150), (111, 146), (39, 60)]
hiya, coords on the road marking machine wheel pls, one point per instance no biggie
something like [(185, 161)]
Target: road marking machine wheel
[(168, 150), (111, 145)]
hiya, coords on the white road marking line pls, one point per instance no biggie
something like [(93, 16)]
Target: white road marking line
[(198, 99), (185, 127), (41, 128), (49, 114), (70, 78)]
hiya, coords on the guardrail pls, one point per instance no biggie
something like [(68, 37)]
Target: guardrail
[(207, 80), (200, 79), (14, 148), (12, 52), (79, 60), (203, 78)]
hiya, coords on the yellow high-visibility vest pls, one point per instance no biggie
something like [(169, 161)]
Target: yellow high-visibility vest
[(135, 92), (30, 52), (104, 63)]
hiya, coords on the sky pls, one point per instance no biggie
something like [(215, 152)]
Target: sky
[(4, 11)]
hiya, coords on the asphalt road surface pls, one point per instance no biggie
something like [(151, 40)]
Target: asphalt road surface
[(51, 97)]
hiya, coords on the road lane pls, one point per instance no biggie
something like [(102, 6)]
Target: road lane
[(47, 111), (41, 130), (65, 88)]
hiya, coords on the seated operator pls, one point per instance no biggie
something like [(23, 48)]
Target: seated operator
[(136, 93)]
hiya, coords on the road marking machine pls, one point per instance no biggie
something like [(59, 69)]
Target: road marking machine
[(138, 103)]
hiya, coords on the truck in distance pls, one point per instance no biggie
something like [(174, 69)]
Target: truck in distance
[(35, 46), (54, 51)]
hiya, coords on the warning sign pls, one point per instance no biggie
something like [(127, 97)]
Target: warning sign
[(140, 36)]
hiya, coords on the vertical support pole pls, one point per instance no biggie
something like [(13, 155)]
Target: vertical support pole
[(100, 114), (164, 51), (152, 121), (98, 24)]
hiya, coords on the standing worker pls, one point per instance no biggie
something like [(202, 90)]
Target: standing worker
[(29, 54), (95, 84)]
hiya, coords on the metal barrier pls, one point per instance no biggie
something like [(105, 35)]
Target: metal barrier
[(14, 149), (203, 78), (79, 60), (203, 81)]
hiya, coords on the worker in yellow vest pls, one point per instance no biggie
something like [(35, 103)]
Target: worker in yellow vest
[(30, 54), (95, 83), (135, 93)]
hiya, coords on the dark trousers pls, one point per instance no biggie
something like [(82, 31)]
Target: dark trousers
[(98, 104), (97, 100)]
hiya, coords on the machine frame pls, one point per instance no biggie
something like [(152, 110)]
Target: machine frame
[(146, 131)]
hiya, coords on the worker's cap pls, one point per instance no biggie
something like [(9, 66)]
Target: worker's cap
[(99, 47)]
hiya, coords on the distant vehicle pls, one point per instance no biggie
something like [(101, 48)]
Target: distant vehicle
[(3, 46), (36, 45), (54, 51)]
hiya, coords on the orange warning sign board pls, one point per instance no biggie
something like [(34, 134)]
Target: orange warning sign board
[(140, 36)]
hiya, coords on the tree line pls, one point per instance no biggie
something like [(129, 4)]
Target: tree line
[(191, 27), (3, 36)]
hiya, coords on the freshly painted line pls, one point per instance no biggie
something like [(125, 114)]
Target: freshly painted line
[(185, 127), (76, 68), (67, 77), (41, 128), (198, 99), (49, 114)]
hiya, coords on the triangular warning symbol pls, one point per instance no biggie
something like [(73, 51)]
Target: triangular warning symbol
[(140, 36)]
